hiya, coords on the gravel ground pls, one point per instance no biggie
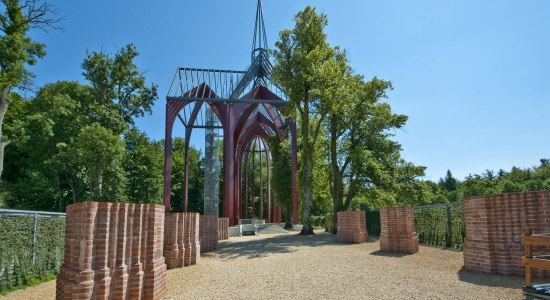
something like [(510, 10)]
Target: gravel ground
[(288, 266)]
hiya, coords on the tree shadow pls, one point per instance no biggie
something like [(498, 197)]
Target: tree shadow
[(389, 254), (262, 247), (491, 280)]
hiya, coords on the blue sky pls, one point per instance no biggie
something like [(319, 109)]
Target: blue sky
[(473, 76)]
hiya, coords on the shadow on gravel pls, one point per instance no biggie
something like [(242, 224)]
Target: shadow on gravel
[(277, 244), (389, 254), (492, 280)]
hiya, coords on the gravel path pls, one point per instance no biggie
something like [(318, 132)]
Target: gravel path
[(288, 266)]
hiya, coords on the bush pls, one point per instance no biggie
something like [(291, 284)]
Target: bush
[(17, 247), (322, 221)]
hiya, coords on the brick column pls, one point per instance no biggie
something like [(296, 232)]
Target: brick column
[(208, 233), (106, 248), (173, 240), (397, 230), (352, 227), (493, 230), (223, 228)]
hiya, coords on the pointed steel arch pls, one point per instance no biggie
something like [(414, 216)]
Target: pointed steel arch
[(247, 104)]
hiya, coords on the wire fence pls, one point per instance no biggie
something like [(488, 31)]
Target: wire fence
[(440, 224), (31, 246)]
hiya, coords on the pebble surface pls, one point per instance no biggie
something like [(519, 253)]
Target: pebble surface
[(289, 266)]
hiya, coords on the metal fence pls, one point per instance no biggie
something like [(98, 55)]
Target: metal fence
[(440, 224), (31, 245)]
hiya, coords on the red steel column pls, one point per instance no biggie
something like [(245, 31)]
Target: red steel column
[(261, 182), (252, 202)]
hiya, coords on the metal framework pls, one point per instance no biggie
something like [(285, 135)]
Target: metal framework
[(247, 105)]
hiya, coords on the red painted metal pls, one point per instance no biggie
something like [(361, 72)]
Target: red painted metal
[(241, 122)]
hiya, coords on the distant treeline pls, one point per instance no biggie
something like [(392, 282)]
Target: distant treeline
[(450, 189)]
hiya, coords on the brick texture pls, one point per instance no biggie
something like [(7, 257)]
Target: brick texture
[(352, 227), (113, 251), (397, 230), (493, 227), (208, 233), (181, 239), (223, 229)]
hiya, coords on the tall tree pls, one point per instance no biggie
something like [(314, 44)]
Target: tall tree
[(449, 183), (99, 155), (119, 87), (363, 156), (40, 169), (196, 178), (143, 164), (281, 176), (299, 59), (18, 51)]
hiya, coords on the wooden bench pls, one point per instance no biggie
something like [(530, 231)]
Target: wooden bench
[(531, 262)]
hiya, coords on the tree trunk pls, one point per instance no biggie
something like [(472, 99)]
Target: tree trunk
[(337, 191), (307, 158), (307, 191), (3, 108)]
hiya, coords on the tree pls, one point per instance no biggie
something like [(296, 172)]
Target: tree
[(301, 53), (449, 183), (119, 87), (41, 172), (143, 165), (281, 176), (364, 159), (196, 178), (99, 154), (18, 51)]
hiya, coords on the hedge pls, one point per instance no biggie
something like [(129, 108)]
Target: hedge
[(440, 225), (16, 250)]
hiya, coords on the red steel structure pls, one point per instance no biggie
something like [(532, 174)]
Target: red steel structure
[(249, 107)]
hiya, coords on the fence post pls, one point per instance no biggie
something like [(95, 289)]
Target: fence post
[(449, 227), (34, 238)]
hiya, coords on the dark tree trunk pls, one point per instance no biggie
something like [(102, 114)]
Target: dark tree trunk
[(3, 108)]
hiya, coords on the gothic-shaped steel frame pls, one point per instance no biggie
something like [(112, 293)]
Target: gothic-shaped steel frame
[(247, 105)]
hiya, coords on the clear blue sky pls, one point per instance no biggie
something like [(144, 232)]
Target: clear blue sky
[(473, 76)]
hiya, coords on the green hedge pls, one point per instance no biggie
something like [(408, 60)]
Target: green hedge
[(440, 225), (373, 222), (322, 221), (16, 250)]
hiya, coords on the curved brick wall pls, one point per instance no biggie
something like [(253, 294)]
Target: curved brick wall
[(181, 239), (494, 227), (113, 251)]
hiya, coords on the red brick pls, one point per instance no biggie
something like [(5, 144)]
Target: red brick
[(501, 219), (352, 227), (397, 230), (106, 248)]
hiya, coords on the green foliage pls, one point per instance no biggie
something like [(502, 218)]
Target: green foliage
[(435, 228), (17, 50), (68, 140), (99, 155), (196, 178), (16, 250), (143, 165), (281, 174), (119, 86), (305, 66), (449, 189), (325, 221)]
